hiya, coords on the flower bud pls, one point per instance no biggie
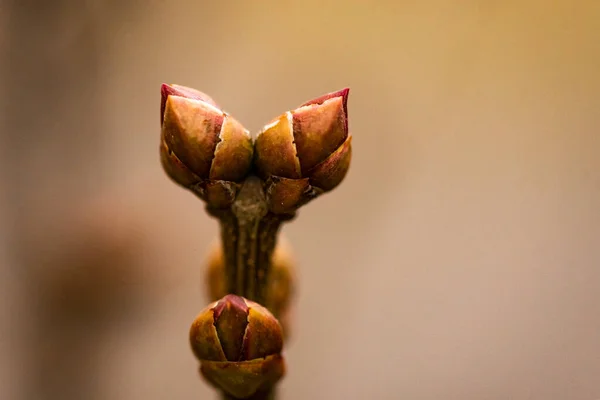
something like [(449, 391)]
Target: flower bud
[(239, 344), (305, 152), (202, 147)]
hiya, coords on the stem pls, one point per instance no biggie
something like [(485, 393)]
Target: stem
[(249, 235)]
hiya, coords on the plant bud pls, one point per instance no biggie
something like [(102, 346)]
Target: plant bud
[(239, 344), (202, 147), (305, 152)]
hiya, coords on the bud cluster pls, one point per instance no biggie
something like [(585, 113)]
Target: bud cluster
[(299, 155), (251, 186)]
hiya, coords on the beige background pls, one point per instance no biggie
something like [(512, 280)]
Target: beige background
[(460, 259)]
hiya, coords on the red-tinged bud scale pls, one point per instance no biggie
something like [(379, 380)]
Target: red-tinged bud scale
[(304, 152), (238, 343), (202, 147)]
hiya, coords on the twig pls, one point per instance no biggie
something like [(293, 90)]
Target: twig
[(249, 235)]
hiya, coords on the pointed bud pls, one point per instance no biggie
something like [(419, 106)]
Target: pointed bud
[(200, 142), (311, 142), (191, 130), (244, 330), (319, 129), (238, 343)]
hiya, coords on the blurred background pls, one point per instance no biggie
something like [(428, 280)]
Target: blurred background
[(460, 259)]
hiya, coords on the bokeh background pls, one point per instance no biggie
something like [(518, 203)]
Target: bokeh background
[(460, 259)]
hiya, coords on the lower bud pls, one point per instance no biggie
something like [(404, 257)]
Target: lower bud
[(238, 343)]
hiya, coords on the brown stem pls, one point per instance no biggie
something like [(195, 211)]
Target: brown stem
[(249, 235)]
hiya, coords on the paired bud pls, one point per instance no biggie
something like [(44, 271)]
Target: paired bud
[(202, 147), (300, 154), (239, 344), (304, 152)]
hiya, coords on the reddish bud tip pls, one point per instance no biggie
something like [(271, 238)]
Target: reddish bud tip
[(181, 91), (228, 303), (340, 93), (231, 319), (299, 140), (235, 329), (319, 129)]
